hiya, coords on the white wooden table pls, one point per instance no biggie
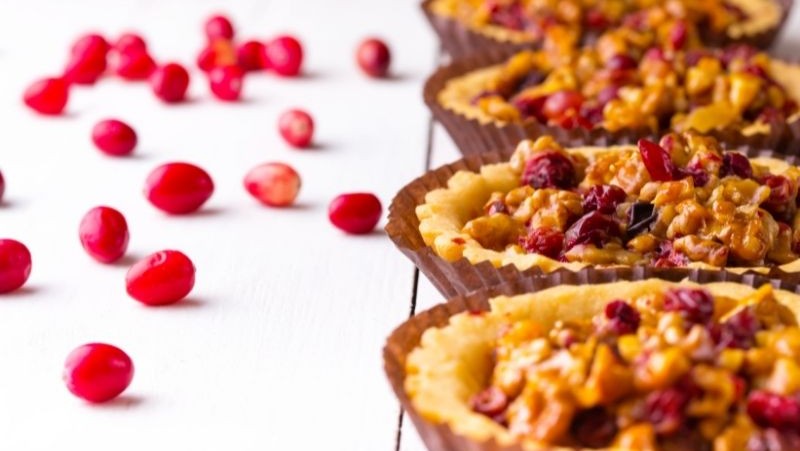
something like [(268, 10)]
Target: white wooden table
[(279, 346)]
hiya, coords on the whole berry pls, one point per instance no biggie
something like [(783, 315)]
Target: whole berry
[(134, 65), (161, 278), (355, 213), (130, 42), (273, 184), (226, 82), (284, 55), (546, 241), (549, 169), (170, 82), (84, 69), (47, 96), (97, 372), (250, 56), (695, 305), (296, 127), (374, 57), (178, 188), (603, 198), (774, 410), (218, 53), (90, 45), (15, 265), (219, 27), (114, 137), (104, 234), (622, 317)]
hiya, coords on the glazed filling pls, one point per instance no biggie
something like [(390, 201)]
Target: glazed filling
[(679, 369), (683, 200), (583, 20), (647, 80)]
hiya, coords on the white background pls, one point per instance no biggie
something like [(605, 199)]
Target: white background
[(279, 345)]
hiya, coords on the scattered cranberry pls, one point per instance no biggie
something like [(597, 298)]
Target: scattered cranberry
[(621, 62), (664, 409), (734, 163), (373, 57), (284, 55), (739, 331), (178, 188), (97, 372), (694, 304), (15, 265), (218, 27), (170, 82), (622, 318), (546, 241), (134, 65), (594, 428), (47, 96), (226, 82), (2, 187), (90, 45), (355, 213), (130, 43), (104, 234), (781, 192), (491, 402), (592, 228), (85, 69), (218, 53), (273, 184), (773, 410), (657, 161), (678, 35), (114, 137), (603, 198), (668, 257), (549, 169), (250, 56), (296, 127), (162, 278), (561, 103)]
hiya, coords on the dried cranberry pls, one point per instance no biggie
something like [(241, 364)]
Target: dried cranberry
[(594, 227), (607, 94), (738, 331), (694, 56), (97, 372), (621, 61), (284, 55), (640, 216), (546, 241), (695, 305), (47, 96), (657, 161), (573, 121), (595, 19), (549, 169), (734, 163), (667, 257), (774, 440), (373, 57), (696, 172), (355, 213), (560, 103), (654, 54), (603, 198), (781, 192), (665, 410), (623, 319), (162, 278), (530, 107), (15, 265), (491, 402), (678, 35), (170, 82), (773, 410), (734, 52), (218, 27), (594, 428)]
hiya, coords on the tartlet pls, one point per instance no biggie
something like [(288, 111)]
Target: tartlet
[(627, 85), (635, 365), (470, 26)]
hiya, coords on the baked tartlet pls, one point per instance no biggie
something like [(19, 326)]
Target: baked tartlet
[(643, 365), (469, 26)]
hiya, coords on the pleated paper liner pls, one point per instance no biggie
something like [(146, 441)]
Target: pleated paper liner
[(471, 136), (459, 40), (440, 437), (462, 277)]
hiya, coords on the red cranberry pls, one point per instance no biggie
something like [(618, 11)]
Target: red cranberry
[(623, 319), (654, 54), (773, 410), (355, 213), (130, 42), (738, 331), (657, 161), (284, 55), (573, 121), (296, 127), (781, 193), (92, 44), (97, 372), (47, 96), (85, 69), (594, 428), (114, 137), (134, 65), (218, 53), (734, 163), (250, 56), (596, 19), (15, 265), (678, 35), (373, 57), (592, 228), (607, 94), (560, 103), (667, 257), (694, 304), (2, 187), (162, 278), (530, 107), (273, 184), (491, 402), (549, 169), (178, 188), (621, 62), (543, 240), (226, 82), (664, 409), (603, 198), (104, 234), (218, 27), (170, 82)]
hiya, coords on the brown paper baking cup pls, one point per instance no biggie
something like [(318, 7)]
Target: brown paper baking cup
[(471, 136), (404, 339), (459, 41), (462, 277)]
